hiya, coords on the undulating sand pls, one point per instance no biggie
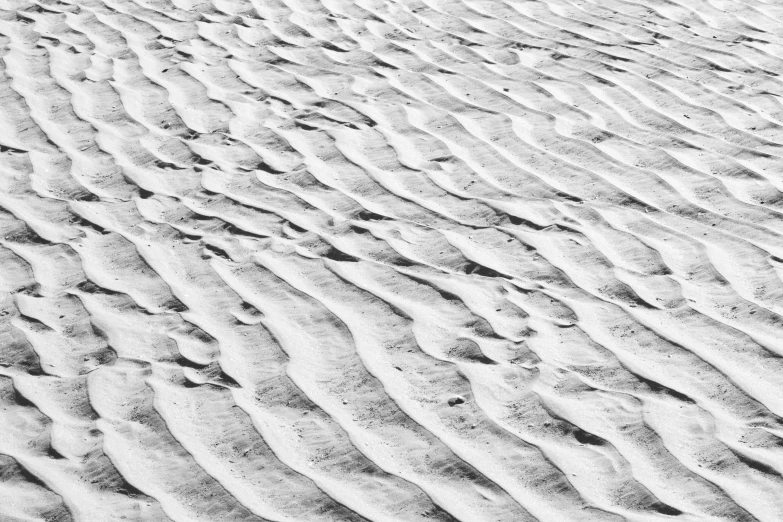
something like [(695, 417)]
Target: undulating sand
[(391, 260)]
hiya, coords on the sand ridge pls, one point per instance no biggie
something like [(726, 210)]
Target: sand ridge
[(475, 260)]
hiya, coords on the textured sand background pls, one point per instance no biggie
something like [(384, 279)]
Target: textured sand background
[(475, 260)]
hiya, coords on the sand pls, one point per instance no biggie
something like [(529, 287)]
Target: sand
[(403, 260)]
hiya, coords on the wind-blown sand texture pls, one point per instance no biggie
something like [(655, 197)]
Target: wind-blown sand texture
[(349, 260)]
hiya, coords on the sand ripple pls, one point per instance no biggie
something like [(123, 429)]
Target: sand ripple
[(475, 260)]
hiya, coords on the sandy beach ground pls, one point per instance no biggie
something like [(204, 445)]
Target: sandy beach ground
[(391, 260)]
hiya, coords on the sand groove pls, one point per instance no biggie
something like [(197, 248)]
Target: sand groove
[(300, 260)]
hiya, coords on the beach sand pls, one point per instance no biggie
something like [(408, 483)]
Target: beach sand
[(401, 260)]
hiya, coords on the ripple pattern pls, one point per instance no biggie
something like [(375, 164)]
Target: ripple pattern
[(391, 260)]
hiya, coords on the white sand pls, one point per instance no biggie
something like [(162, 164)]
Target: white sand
[(350, 260)]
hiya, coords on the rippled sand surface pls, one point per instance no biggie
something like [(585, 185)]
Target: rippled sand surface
[(367, 260)]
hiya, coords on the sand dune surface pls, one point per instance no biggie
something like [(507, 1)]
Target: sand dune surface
[(391, 260)]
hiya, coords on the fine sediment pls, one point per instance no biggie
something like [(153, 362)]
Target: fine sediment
[(464, 260)]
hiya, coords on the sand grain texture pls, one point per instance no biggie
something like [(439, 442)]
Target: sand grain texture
[(391, 260)]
